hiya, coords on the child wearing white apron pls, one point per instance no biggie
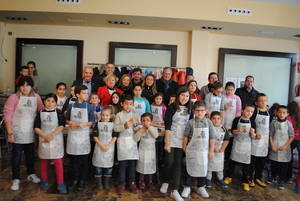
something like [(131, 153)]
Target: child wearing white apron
[(49, 124), (61, 94), (198, 144), (281, 136), (146, 164), (103, 157), (213, 100)]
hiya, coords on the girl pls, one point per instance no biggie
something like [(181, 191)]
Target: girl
[(141, 105), (146, 164), (177, 116), (32, 72), (19, 114), (94, 101), (149, 88), (194, 91), (103, 157), (106, 91), (115, 104), (158, 110), (72, 99), (214, 99), (61, 94), (232, 105), (125, 84), (49, 124)]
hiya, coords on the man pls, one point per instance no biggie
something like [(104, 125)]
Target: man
[(87, 80), (166, 86), (109, 68), (212, 78), (136, 77), (247, 93)]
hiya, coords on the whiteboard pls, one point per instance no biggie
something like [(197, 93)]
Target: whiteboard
[(271, 74)]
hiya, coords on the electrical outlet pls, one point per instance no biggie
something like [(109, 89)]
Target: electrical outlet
[(239, 11), (68, 1)]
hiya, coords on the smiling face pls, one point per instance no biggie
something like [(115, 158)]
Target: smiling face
[(229, 91), (192, 87), (137, 91), (115, 99), (167, 74), (248, 112), (50, 103), (261, 102), (109, 69), (25, 89), (146, 121), (184, 98), (125, 81), (110, 82), (94, 100), (149, 80), (249, 82), (31, 69), (199, 112), (105, 115), (127, 105), (213, 78), (61, 91), (282, 113), (137, 75), (87, 74), (158, 100), (83, 95)]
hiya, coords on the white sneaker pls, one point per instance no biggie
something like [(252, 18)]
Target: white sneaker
[(176, 196), (186, 192), (202, 191), (33, 178), (15, 185), (164, 188)]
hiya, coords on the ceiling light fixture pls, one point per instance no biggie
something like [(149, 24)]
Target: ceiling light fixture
[(212, 28), (16, 18), (118, 22)]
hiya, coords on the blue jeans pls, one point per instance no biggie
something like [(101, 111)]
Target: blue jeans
[(131, 165), (106, 172)]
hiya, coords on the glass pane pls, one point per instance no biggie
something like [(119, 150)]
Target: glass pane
[(55, 63), (271, 74), (143, 57)]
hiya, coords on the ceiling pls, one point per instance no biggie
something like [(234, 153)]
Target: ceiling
[(285, 2), (142, 22)]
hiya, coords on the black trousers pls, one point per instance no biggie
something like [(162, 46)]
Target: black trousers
[(16, 158), (279, 169), (200, 181), (257, 167), (79, 167), (245, 169), (172, 169)]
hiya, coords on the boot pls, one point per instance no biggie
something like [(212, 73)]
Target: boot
[(107, 182), (99, 184)]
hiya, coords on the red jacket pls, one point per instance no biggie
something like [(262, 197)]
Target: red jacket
[(104, 95)]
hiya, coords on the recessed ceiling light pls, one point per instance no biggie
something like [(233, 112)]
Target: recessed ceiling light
[(118, 22), (212, 28), (16, 18)]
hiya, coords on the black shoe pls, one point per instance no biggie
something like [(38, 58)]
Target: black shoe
[(107, 182), (73, 186), (99, 184), (81, 185)]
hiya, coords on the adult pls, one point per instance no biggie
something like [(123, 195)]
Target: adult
[(109, 68), (136, 75), (106, 91), (166, 86), (212, 78), (87, 80), (194, 91), (149, 88), (247, 93), (32, 72)]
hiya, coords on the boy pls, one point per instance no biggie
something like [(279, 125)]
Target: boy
[(22, 73), (213, 100), (80, 116), (260, 144), (281, 136), (242, 129), (198, 143), (216, 164), (126, 145)]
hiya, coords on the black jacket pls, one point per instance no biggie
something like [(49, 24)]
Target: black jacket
[(247, 98), (94, 85), (172, 90)]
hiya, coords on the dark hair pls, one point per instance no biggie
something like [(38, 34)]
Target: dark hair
[(282, 107), (61, 84), (198, 104), (214, 113), (123, 98), (51, 95), (115, 93), (158, 94), (106, 108), (136, 85), (79, 88), (191, 81), (259, 95), (217, 85), (31, 62), (147, 114), (108, 63), (23, 67), (294, 112), (180, 91), (229, 84), (137, 70), (212, 73), (273, 109), (24, 80), (249, 76), (248, 105)]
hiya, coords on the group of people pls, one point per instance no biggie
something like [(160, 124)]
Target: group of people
[(138, 123)]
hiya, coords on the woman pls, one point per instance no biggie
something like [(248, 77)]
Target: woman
[(33, 74), (194, 91), (149, 88)]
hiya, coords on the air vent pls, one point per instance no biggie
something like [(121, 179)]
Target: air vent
[(297, 35), (239, 11), (118, 22), (16, 18), (75, 2), (212, 28)]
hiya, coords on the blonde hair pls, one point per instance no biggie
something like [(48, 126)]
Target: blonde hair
[(123, 77), (110, 76)]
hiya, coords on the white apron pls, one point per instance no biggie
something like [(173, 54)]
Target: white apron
[(229, 113), (241, 148), (260, 147), (139, 108), (78, 140), (197, 152), (55, 148), (179, 122), (60, 102), (23, 120), (100, 158), (157, 113), (279, 139), (127, 146), (147, 155), (216, 164), (214, 103)]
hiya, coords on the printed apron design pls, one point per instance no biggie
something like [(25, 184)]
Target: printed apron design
[(139, 109), (229, 113), (216, 163), (147, 155), (127, 147)]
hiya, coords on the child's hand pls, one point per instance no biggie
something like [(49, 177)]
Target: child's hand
[(241, 129), (11, 138), (210, 155), (167, 148), (81, 125), (217, 150), (128, 123), (253, 135), (184, 148), (227, 106), (282, 148), (274, 148), (142, 129), (258, 136), (105, 148)]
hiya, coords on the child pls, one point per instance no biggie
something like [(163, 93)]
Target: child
[(141, 105), (126, 145), (158, 110), (103, 157), (198, 144), (194, 91), (260, 144), (19, 114), (49, 124), (94, 101), (242, 129), (172, 99), (177, 116), (80, 116), (115, 104), (146, 164), (24, 71), (281, 136), (216, 164), (72, 99), (149, 88), (232, 105), (213, 100), (61, 94)]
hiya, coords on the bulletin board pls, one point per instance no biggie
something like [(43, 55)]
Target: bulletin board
[(274, 72)]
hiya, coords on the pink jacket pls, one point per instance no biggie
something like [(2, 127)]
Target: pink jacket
[(296, 130)]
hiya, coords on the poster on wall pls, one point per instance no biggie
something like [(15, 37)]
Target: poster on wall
[(238, 82)]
